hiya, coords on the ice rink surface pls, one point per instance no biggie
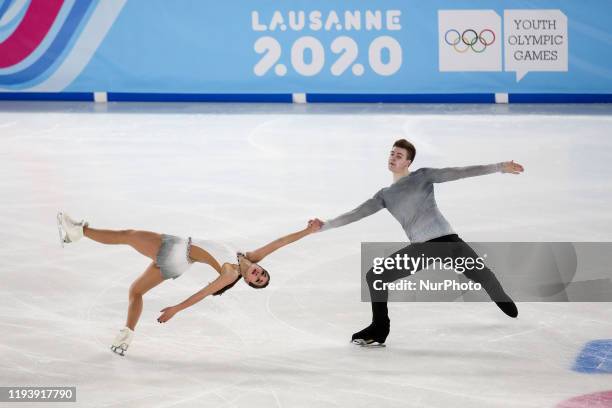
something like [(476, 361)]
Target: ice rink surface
[(249, 174)]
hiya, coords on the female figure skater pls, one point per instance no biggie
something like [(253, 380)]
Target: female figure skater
[(171, 256)]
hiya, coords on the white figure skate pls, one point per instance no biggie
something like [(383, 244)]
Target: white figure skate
[(122, 341), (69, 229)]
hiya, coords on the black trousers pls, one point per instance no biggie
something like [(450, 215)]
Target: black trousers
[(456, 248)]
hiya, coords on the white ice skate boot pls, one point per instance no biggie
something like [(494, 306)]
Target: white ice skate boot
[(122, 341), (69, 229)]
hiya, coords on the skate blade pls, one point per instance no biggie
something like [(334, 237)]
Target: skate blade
[(368, 343), (118, 350), (60, 229)]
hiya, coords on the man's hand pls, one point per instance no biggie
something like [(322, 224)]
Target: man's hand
[(512, 167), (314, 225), (167, 313)]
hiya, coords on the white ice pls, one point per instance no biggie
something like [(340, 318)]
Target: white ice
[(249, 174)]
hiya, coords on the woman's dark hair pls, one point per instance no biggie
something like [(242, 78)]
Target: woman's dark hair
[(223, 289), (231, 285)]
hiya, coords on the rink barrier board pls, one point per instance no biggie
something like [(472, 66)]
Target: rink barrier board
[(333, 47), (310, 98)]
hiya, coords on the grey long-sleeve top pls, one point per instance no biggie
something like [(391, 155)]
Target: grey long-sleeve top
[(412, 202)]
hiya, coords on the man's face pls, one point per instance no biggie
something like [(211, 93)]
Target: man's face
[(398, 160)]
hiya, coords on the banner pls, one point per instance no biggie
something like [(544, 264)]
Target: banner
[(331, 46)]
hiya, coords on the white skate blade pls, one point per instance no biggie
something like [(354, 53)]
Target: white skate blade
[(368, 343), (60, 229), (118, 350)]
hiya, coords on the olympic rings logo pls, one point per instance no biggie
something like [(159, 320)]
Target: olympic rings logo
[(462, 42)]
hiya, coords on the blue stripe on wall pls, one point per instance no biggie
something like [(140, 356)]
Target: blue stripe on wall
[(400, 98), (164, 97), (312, 98), (4, 6), (560, 98), (47, 96)]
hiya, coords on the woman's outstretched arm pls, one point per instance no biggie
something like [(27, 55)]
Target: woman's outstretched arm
[(227, 276), (261, 253)]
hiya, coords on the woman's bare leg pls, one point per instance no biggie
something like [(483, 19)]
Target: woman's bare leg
[(145, 242), (150, 278)]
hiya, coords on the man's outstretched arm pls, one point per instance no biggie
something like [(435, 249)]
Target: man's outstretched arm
[(456, 173), (367, 208), (261, 253)]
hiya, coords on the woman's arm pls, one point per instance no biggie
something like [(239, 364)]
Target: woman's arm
[(261, 253), (225, 278)]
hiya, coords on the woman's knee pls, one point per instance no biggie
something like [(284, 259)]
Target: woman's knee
[(135, 291), (145, 282)]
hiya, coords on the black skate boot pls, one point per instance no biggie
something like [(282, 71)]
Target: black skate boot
[(503, 301), (508, 307), (372, 336), (497, 294)]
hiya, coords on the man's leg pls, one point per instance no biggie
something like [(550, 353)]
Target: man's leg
[(378, 330), (445, 246), (487, 279)]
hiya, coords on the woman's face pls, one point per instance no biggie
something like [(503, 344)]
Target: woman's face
[(255, 274)]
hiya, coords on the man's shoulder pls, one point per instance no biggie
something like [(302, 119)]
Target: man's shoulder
[(380, 193), (413, 175), (422, 172)]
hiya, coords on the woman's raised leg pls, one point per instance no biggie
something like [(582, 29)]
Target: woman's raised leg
[(150, 278), (145, 242)]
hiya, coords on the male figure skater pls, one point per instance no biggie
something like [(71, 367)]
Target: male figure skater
[(410, 199)]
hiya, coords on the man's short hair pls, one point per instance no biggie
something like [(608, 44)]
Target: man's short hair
[(404, 144)]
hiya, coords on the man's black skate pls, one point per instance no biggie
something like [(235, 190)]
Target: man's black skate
[(504, 302), (372, 336), (508, 307), (501, 298)]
